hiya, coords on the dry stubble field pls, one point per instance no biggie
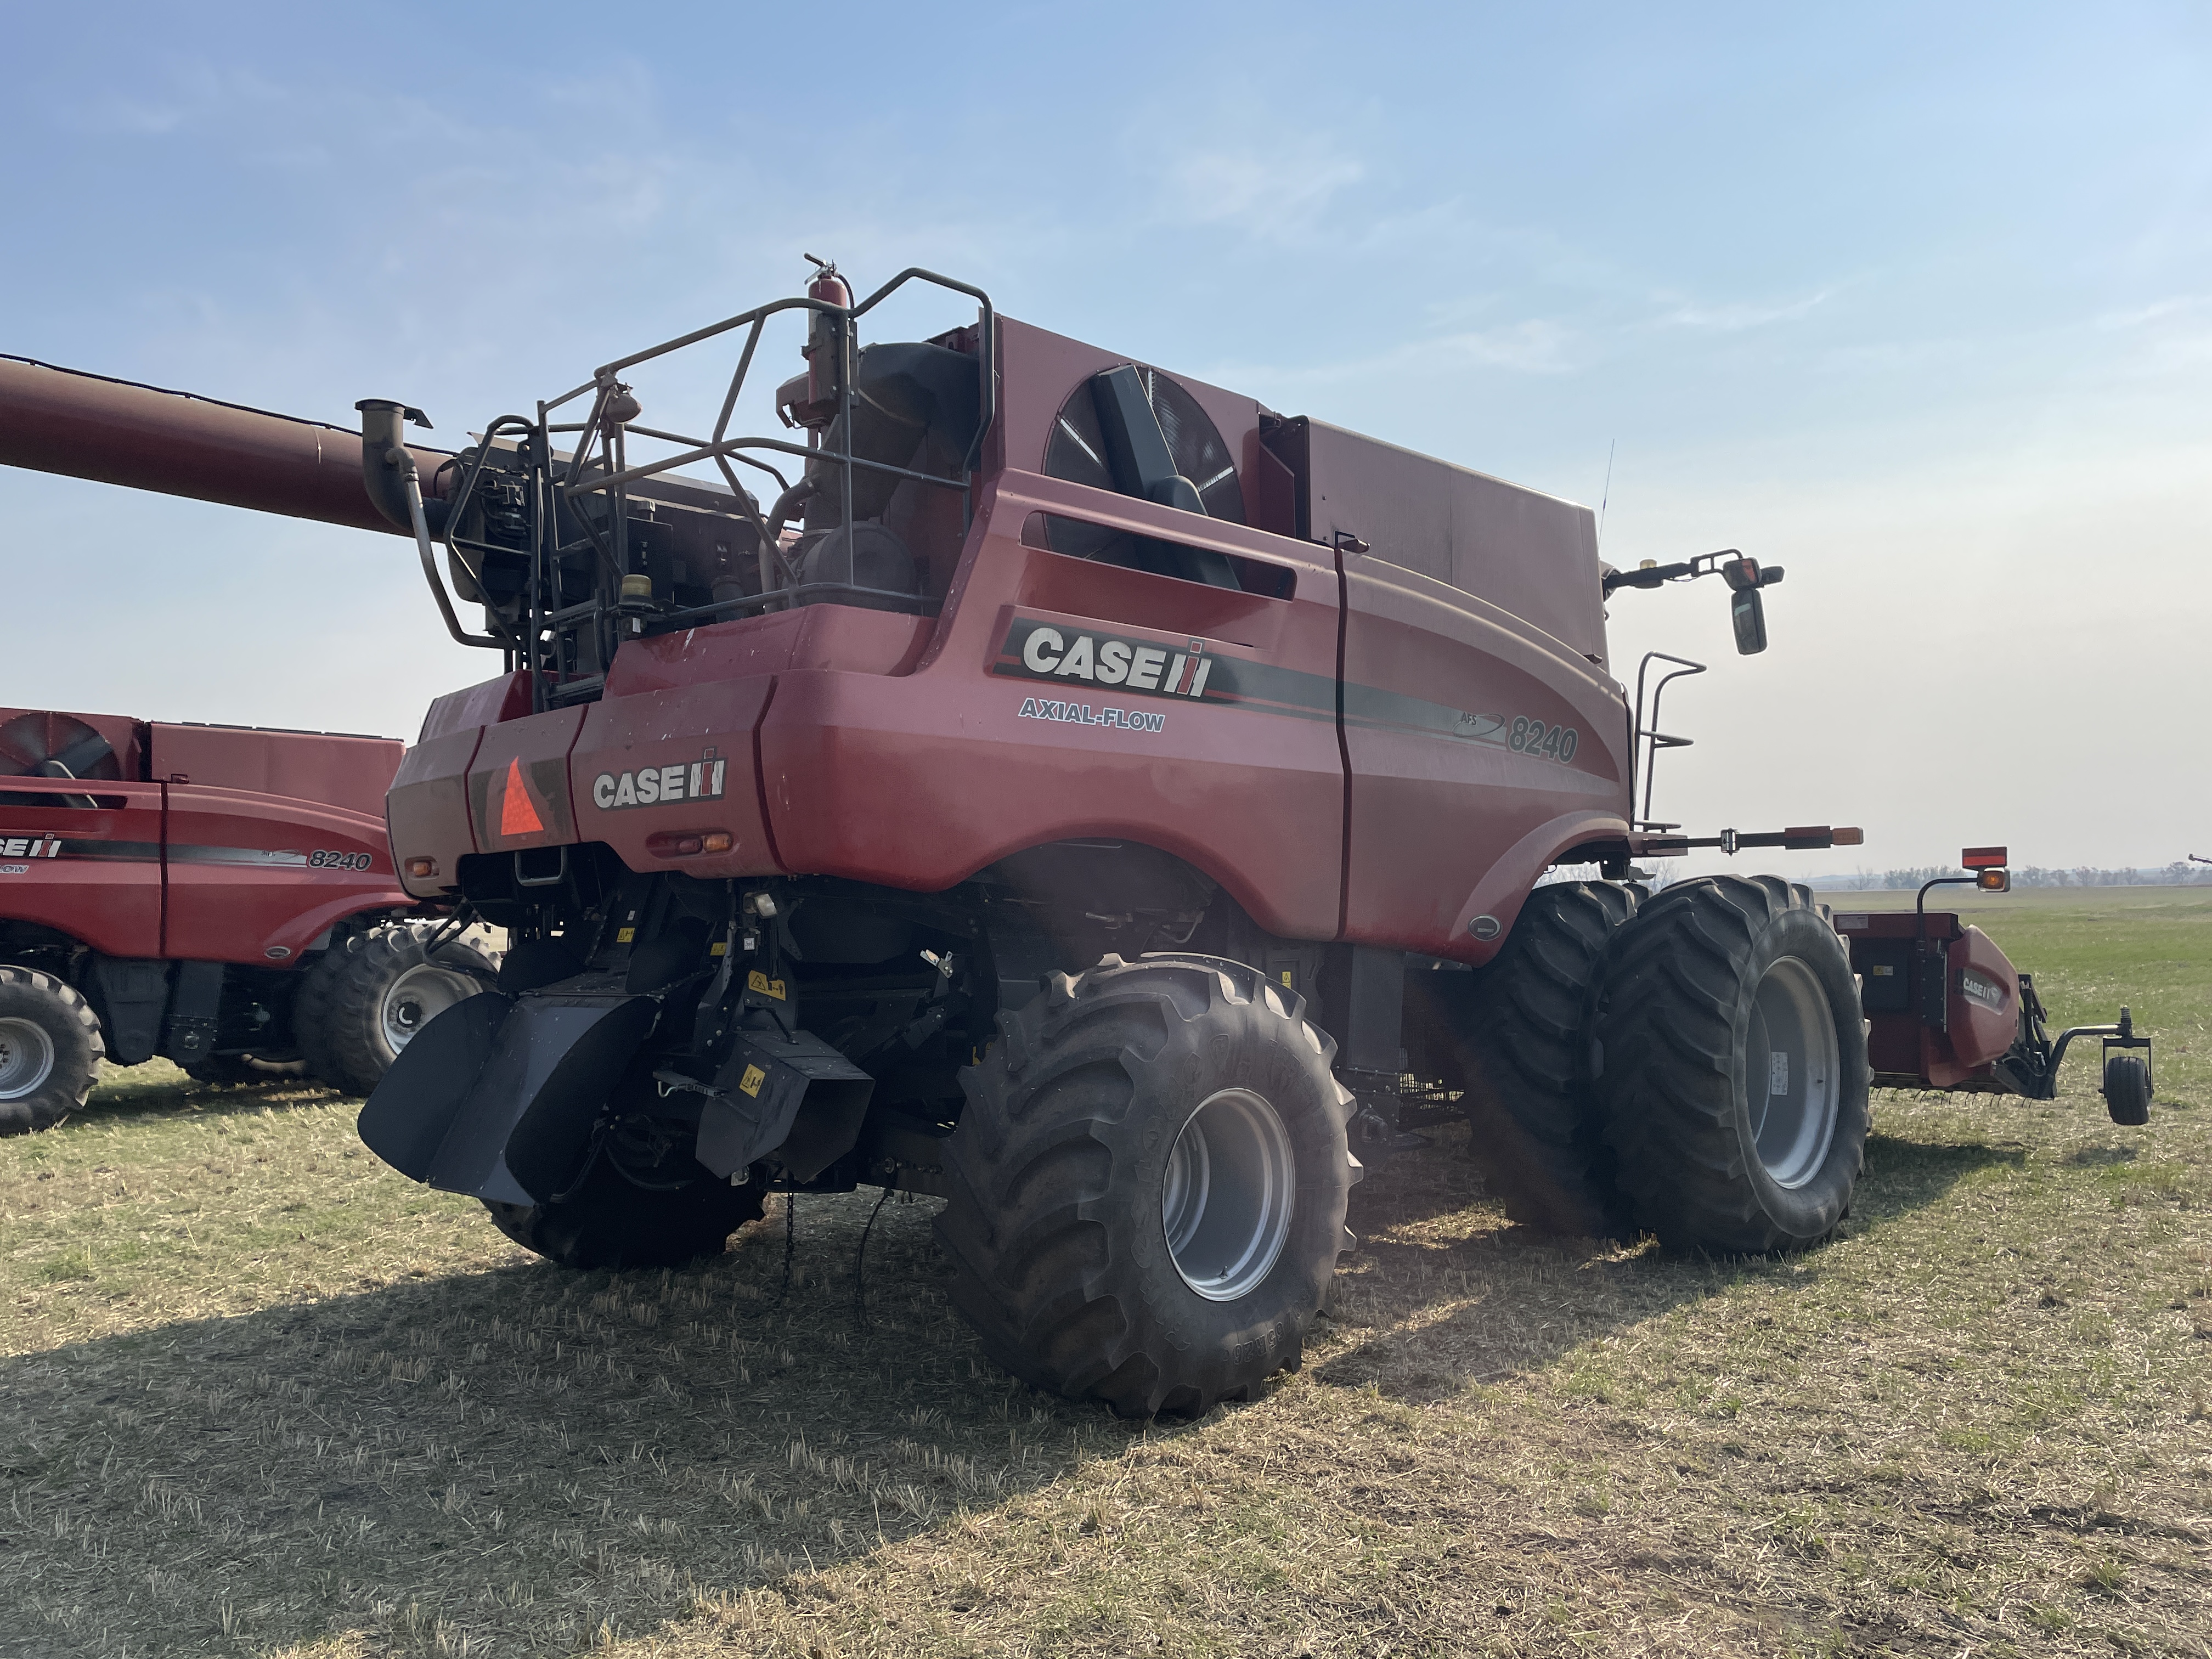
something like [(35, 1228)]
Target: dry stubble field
[(259, 1395)]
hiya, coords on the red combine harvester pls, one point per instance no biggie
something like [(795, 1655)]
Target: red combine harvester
[(219, 895), (1070, 790)]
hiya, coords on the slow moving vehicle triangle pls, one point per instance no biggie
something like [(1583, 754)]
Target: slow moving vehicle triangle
[(518, 816)]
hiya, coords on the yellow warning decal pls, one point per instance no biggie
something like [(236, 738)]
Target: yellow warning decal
[(721, 948), (624, 935), (1287, 976), (750, 1084), (757, 980)]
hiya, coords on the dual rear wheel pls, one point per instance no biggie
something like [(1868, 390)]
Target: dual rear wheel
[(1692, 1066), (366, 998)]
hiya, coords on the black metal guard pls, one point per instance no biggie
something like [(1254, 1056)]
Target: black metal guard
[(600, 467), (1647, 741)]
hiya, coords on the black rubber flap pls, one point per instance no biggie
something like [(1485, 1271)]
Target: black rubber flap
[(525, 1130), (795, 1097), (407, 1115)]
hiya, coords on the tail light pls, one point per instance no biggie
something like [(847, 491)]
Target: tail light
[(684, 844)]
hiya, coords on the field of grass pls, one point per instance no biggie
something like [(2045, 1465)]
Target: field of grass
[(260, 1395)]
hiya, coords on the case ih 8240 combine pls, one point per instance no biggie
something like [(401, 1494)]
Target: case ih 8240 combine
[(1082, 794), (219, 896)]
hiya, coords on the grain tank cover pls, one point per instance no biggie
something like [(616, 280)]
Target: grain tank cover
[(1526, 552), (328, 767)]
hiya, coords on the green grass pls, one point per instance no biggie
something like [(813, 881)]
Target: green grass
[(259, 1395)]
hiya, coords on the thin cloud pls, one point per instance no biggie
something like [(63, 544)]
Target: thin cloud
[(1536, 345), (2159, 311), (1272, 192), (1736, 317)]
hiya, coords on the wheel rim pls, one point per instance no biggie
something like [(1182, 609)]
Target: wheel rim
[(26, 1058), (1791, 1073), (1225, 1204), (419, 996)]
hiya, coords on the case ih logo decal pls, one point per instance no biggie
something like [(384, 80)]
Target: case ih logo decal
[(1070, 656), (1039, 651), (1978, 988), (701, 780), (31, 847)]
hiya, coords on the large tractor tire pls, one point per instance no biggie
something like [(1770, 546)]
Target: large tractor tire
[(49, 1050), (370, 992), (1148, 1184), (645, 1201), (1519, 1034), (1732, 1065)]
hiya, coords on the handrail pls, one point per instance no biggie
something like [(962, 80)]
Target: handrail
[(1647, 735), (600, 465)]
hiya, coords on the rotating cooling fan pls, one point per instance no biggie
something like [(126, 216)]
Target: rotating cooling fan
[(55, 746), (1100, 438)]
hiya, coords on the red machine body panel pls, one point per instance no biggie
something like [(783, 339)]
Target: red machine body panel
[(350, 773), (253, 878), (245, 863), (93, 872), (427, 810), (1531, 556), (518, 783), (911, 752), (656, 769), (817, 636), (1474, 749)]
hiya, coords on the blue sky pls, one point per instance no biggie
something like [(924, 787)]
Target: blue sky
[(1915, 301)]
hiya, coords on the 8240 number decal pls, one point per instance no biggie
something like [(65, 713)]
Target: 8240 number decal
[(321, 860), (1533, 737)]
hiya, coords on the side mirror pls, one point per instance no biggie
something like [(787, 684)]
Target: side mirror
[(1749, 613)]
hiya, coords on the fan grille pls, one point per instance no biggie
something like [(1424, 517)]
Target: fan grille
[(1077, 453), (29, 742)]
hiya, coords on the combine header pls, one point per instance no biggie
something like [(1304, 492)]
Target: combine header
[(1083, 795), (1946, 1009)]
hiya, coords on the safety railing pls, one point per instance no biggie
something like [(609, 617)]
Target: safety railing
[(600, 468)]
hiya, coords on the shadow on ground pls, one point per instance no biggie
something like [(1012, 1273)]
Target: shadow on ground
[(519, 1458), (1445, 1293), (129, 1096), (517, 1455)]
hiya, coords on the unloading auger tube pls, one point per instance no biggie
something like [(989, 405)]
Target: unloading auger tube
[(1077, 796)]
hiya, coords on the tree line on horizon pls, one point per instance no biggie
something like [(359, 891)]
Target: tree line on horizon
[(2179, 873)]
